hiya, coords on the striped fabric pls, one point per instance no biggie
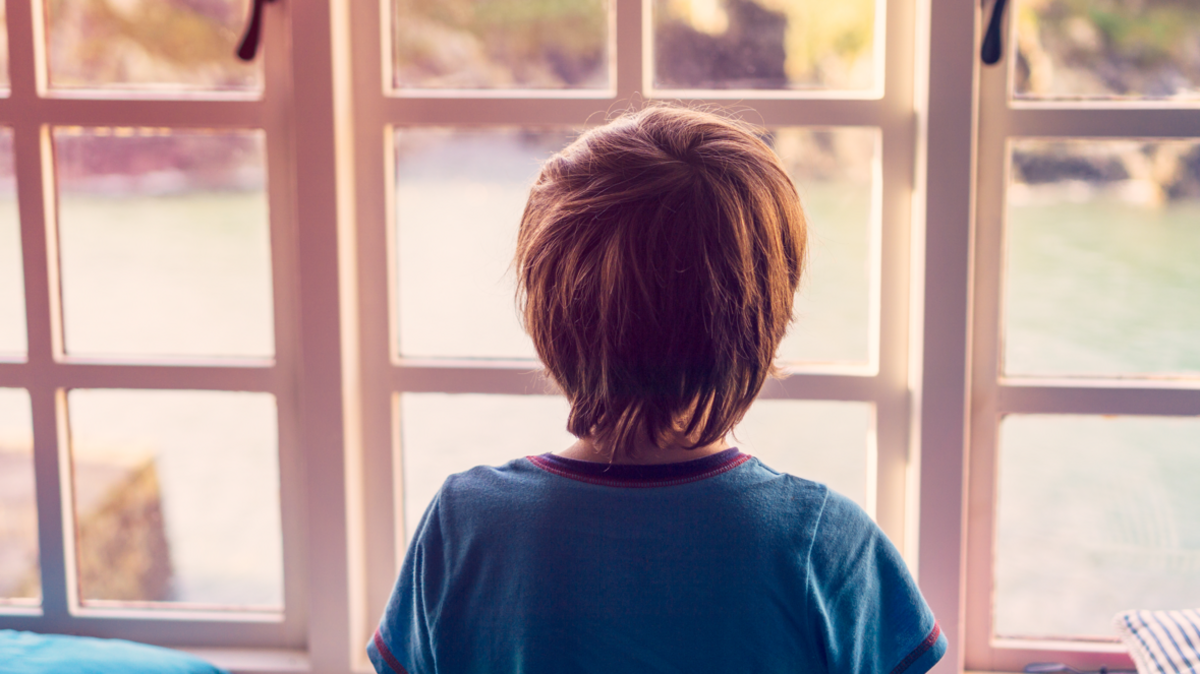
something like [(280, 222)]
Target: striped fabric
[(1162, 642)]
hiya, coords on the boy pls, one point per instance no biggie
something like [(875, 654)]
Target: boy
[(657, 260)]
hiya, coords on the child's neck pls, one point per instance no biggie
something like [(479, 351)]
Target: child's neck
[(647, 453)]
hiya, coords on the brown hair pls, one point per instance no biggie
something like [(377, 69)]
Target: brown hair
[(656, 262)]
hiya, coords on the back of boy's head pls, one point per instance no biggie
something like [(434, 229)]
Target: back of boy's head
[(657, 261)]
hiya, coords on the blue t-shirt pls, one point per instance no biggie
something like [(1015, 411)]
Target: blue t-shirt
[(720, 564)]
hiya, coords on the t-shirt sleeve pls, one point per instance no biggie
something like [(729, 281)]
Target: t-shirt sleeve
[(869, 617), (403, 642)]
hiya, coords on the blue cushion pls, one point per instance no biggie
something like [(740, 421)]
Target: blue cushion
[(30, 653)]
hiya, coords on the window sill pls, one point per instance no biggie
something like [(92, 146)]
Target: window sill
[(254, 660)]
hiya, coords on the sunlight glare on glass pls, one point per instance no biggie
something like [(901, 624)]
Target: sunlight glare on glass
[(835, 171), (20, 575), (164, 243), (1101, 275), (176, 497), (824, 441), (459, 198), (1094, 515), (12, 284), (501, 428), (500, 44)]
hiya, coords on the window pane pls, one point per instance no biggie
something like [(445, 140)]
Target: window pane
[(459, 199), (500, 44), (1107, 49), (164, 242), (834, 170), (158, 46), (20, 577), (12, 285), (502, 428), (1095, 515), (823, 441), (764, 44), (1102, 242), (177, 497)]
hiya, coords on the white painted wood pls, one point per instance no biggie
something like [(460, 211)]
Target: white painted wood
[(109, 111), (39, 259), (320, 390), (370, 39), (1001, 120), (890, 268), (989, 248), (48, 373), (1136, 397), (1136, 122), (518, 108), (941, 393), (141, 376), (279, 121), (631, 35), (259, 661)]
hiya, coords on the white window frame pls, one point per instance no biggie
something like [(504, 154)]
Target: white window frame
[(327, 110), (1001, 120), (304, 376)]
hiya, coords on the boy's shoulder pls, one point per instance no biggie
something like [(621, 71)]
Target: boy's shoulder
[(744, 489)]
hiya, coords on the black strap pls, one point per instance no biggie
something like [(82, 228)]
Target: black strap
[(992, 45), (249, 44)]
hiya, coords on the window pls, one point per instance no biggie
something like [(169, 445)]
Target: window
[(276, 291), (154, 362), (448, 140), (1085, 330)]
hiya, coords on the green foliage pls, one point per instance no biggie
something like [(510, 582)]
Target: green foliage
[(501, 42), (103, 43), (1150, 36)]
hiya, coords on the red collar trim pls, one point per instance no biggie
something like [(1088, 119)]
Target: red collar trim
[(634, 476)]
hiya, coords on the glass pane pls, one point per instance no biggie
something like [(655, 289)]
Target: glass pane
[(1101, 276), (1074, 49), (177, 497), (500, 44), (12, 283), (764, 44), (459, 199), (1095, 515), (158, 46), (20, 577), (834, 170), (164, 242), (502, 428), (824, 441)]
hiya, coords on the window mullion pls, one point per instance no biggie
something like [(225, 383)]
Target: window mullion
[(630, 37), (1118, 398), (1125, 122), (24, 70), (33, 170), (946, 114), (381, 500), (277, 117), (319, 406), (988, 261)]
